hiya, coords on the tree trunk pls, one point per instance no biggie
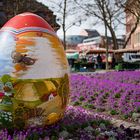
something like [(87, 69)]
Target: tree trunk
[(64, 24), (114, 38), (106, 45)]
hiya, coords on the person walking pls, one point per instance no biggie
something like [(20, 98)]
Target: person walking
[(113, 61), (99, 61)]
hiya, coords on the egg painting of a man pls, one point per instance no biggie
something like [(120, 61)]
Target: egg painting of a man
[(34, 85)]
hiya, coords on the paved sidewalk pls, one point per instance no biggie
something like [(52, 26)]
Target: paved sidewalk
[(94, 72), (118, 122)]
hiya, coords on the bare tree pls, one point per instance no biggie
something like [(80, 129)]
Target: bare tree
[(108, 13), (131, 8), (64, 23), (65, 9)]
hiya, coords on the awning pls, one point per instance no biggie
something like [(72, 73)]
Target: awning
[(99, 51), (72, 55), (71, 51), (131, 50)]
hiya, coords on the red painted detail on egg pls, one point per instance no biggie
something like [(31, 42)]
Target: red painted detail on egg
[(54, 93), (1, 95), (28, 20)]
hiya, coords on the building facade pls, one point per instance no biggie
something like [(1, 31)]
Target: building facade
[(134, 42), (90, 40), (85, 35), (73, 40)]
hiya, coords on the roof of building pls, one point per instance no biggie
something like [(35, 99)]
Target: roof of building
[(92, 32)]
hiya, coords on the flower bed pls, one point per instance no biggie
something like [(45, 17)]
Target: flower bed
[(116, 92), (100, 92), (78, 124), (70, 126), (131, 77)]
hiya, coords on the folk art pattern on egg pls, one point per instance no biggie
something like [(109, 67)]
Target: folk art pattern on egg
[(35, 91)]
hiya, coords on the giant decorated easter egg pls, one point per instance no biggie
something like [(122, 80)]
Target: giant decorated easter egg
[(34, 84)]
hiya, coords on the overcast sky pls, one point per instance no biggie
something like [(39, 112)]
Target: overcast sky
[(86, 25)]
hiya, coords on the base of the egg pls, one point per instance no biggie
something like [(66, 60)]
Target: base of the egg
[(36, 102)]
